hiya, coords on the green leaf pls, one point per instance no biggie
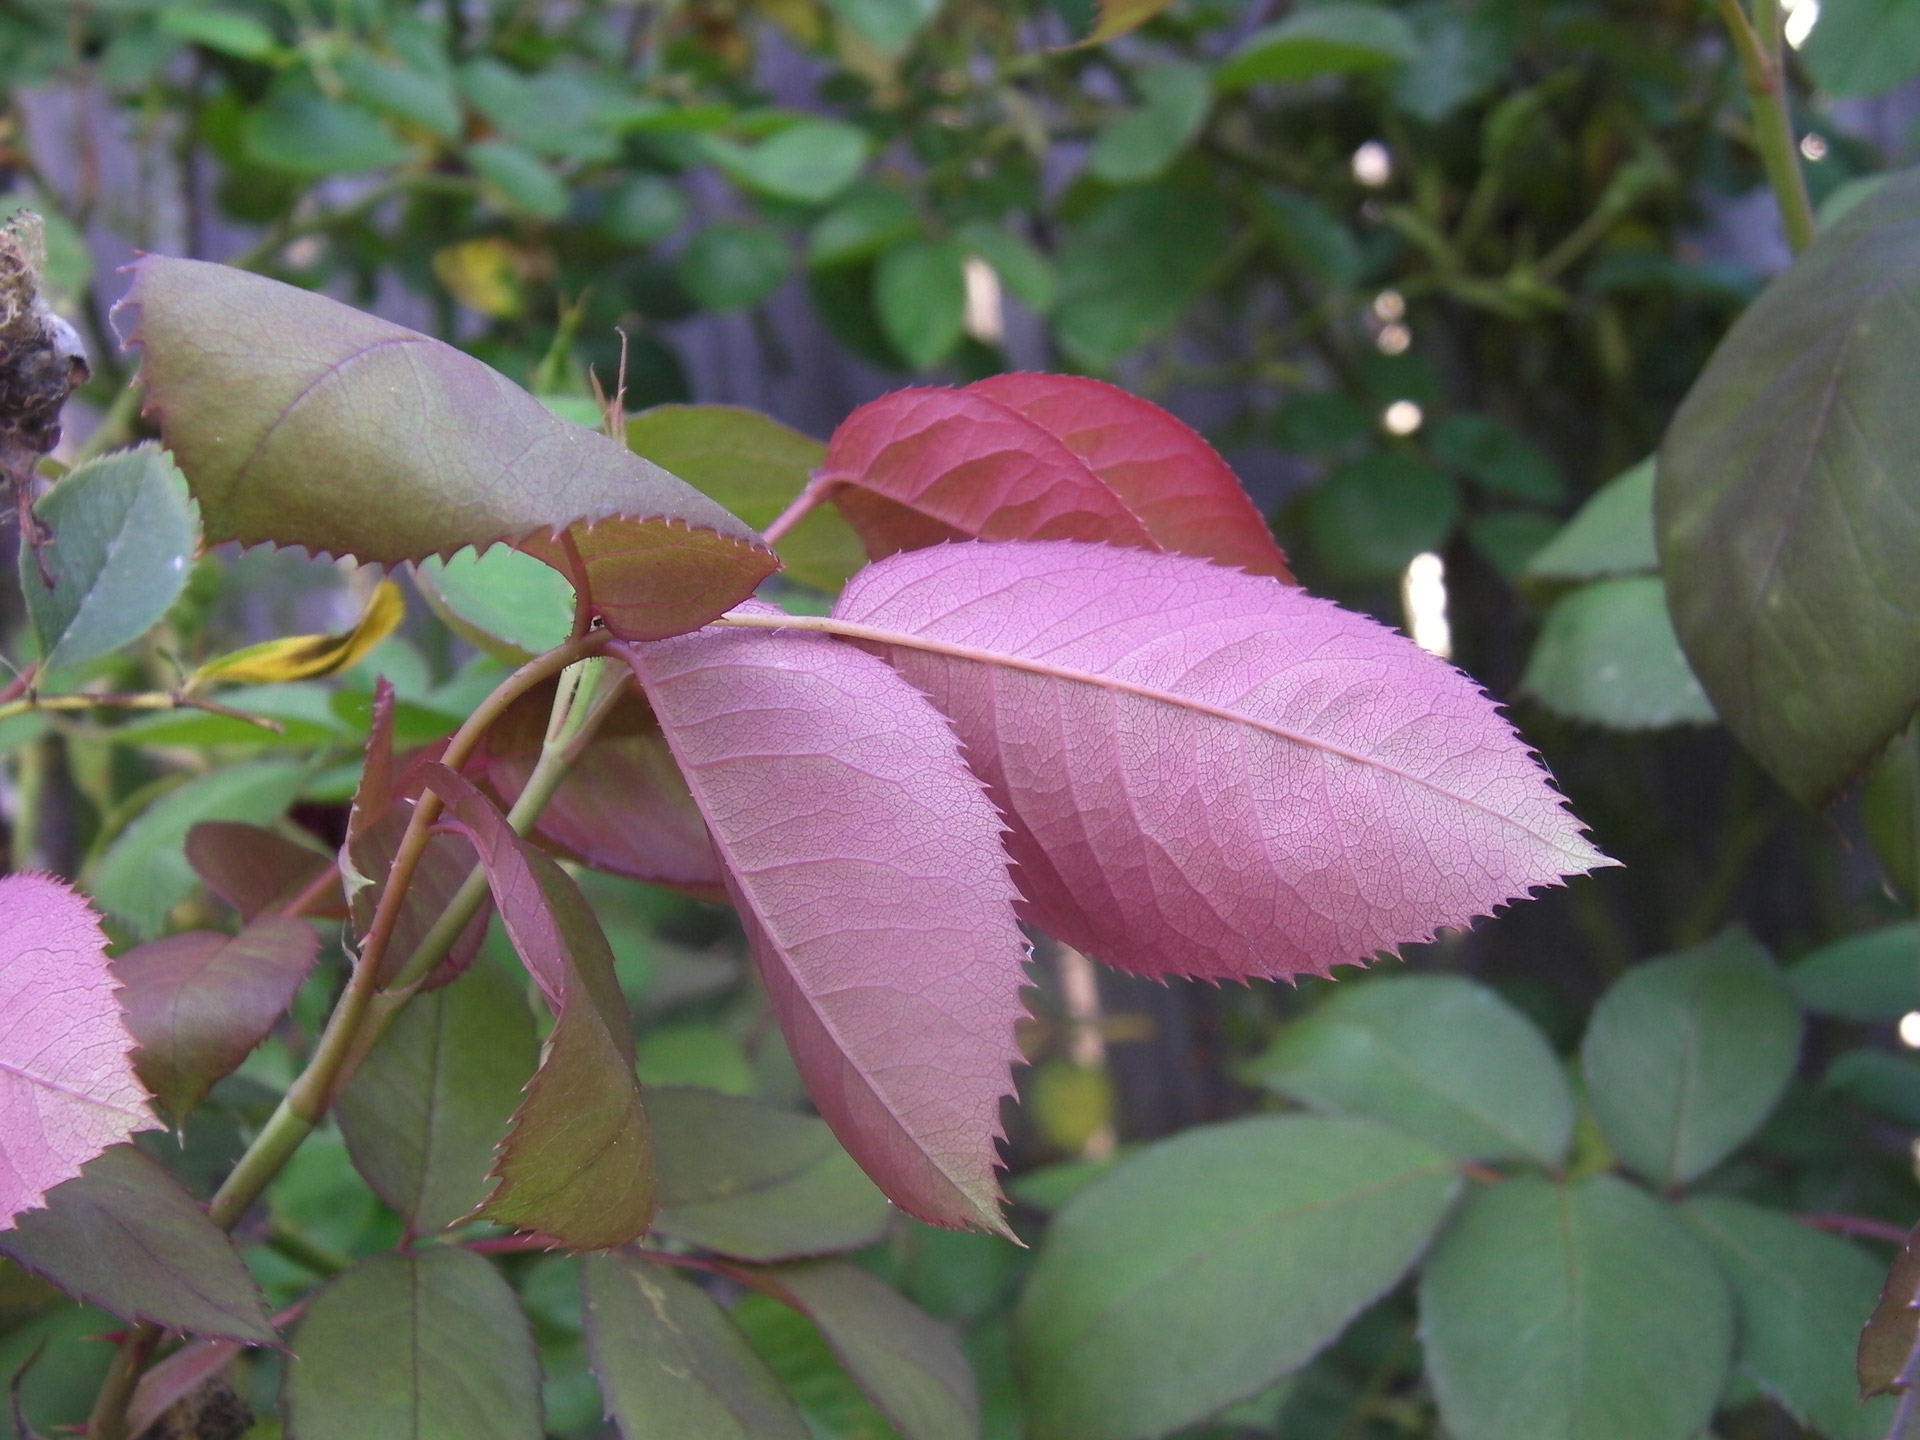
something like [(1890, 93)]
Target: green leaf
[(1875, 976), (1789, 511), (671, 1364), (1611, 535), (505, 602), (519, 177), (1885, 1084), (868, 220), (125, 534), (1687, 1055), (1026, 273), (920, 293), (577, 1163), (425, 1346), (1440, 1057), (1307, 233), (1582, 1312), (124, 1236), (1376, 513), (144, 872), (1607, 654), (746, 1180), (729, 267), (1131, 268), (645, 209), (430, 1103), (1204, 1268), (888, 24), (351, 435), (909, 1365), (1802, 1298), (304, 709), (399, 90), (1463, 52), (1140, 145), (810, 161), (829, 1400), (224, 31), (1337, 38), (755, 466), (1115, 18), (1498, 460), (1863, 47), (309, 134)]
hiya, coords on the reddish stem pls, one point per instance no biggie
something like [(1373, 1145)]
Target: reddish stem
[(1860, 1226)]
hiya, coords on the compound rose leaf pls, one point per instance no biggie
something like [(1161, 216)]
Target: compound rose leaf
[(1214, 774), (919, 467), (866, 863), (577, 1163), (199, 1002), (67, 1087), (1164, 471), (302, 421)]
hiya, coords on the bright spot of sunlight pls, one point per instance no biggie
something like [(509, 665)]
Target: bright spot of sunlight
[(1910, 1029), (1813, 146), (1402, 417), (1373, 164), (986, 321), (1393, 339), (1800, 17), (1423, 596)]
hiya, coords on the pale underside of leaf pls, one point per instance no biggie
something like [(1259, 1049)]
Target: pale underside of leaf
[(1210, 773), (866, 864)]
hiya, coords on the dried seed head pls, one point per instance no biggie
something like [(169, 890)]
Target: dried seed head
[(41, 357)]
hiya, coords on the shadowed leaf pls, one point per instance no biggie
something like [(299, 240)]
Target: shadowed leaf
[(197, 1003), (1211, 773), (428, 1346), (1885, 1359), (301, 421), (577, 1164), (671, 1365), (865, 862), (124, 1236), (67, 1087), (255, 869)]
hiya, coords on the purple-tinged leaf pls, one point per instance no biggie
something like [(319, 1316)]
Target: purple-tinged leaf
[(174, 1378), (624, 807), (425, 1110), (301, 421), (1214, 774), (752, 1182), (426, 1346), (382, 806), (1889, 1355), (124, 1236), (866, 864), (67, 1087), (1186, 496), (197, 1003), (257, 870), (909, 1364), (919, 467), (671, 1365), (577, 1165)]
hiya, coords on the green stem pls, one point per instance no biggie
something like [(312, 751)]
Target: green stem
[(1758, 44), (108, 1420)]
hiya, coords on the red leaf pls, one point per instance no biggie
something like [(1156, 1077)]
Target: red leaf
[(176, 1377), (577, 1163), (67, 1088), (301, 421), (866, 864), (382, 806), (1188, 498), (257, 870), (1210, 773), (624, 808), (919, 467), (199, 1002), (125, 1236)]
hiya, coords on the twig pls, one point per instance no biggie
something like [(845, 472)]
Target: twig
[(1757, 42)]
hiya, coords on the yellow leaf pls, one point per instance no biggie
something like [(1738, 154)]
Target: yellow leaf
[(307, 657), (1117, 17), (483, 275)]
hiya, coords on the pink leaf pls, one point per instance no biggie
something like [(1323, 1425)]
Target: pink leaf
[(67, 1088), (866, 863), (919, 467), (199, 1002), (624, 807), (378, 820), (1167, 475), (1209, 773), (577, 1163)]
